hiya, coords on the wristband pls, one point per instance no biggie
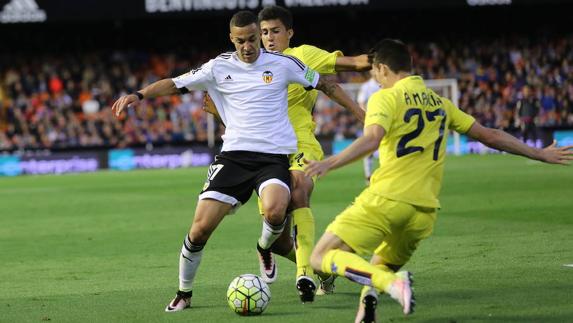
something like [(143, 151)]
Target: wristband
[(139, 95)]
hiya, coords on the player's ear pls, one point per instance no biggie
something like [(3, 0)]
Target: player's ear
[(385, 70), (230, 37), (290, 33)]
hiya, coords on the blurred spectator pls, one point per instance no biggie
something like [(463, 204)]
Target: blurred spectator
[(526, 114), (491, 74), (63, 101)]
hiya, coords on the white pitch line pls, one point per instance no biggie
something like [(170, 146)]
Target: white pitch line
[(568, 265)]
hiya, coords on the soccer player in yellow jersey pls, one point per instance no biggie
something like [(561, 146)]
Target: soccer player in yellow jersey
[(409, 124), (276, 32)]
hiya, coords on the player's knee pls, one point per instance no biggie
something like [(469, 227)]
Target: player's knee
[(199, 233), (300, 198), (316, 260), (275, 214)]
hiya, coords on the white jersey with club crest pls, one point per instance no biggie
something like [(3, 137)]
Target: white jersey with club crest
[(251, 98)]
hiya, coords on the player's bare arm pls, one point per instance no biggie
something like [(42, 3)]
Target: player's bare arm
[(337, 94), (361, 147), (210, 107), (352, 63), (501, 140), (153, 90)]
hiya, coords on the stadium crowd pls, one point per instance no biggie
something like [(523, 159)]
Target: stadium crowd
[(64, 101)]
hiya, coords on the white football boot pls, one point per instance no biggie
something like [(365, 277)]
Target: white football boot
[(401, 291), (267, 264), (181, 301)]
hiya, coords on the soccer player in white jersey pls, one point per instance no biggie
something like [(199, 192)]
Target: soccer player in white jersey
[(366, 90), (249, 88), (276, 32)]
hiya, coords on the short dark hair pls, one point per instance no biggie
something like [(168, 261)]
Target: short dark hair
[(242, 19), (276, 12), (393, 53)]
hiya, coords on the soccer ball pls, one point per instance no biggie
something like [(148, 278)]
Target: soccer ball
[(248, 295)]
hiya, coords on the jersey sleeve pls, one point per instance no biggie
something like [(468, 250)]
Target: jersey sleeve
[(196, 79), (381, 110), (298, 72), (320, 60), (460, 121)]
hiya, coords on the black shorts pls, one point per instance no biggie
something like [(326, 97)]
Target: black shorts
[(234, 175)]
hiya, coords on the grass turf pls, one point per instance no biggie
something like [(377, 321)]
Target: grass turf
[(104, 247)]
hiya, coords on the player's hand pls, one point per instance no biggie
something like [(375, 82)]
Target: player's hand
[(123, 102), (314, 167), (208, 104), (557, 155)]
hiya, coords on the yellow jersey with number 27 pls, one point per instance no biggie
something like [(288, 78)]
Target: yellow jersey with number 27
[(412, 152)]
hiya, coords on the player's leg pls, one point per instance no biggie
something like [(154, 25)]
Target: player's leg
[(303, 229), (229, 184), (284, 245), (369, 295), (396, 251), (273, 187), (367, 306), (274, 198), (333, 256), (303, 219), (362, 227), (330, 257), (208, 215)]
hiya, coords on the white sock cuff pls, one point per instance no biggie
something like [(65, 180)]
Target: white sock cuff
[(274, 228), (190, 246)]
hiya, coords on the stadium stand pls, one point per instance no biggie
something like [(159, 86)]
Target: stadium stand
[(56, 105)]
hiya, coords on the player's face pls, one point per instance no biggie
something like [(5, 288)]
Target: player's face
[(275, 36), (247, 41)]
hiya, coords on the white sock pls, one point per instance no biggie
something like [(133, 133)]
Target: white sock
[(189, 261), (270, 233)]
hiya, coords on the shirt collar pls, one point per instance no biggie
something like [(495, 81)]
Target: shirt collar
[(407, 79)]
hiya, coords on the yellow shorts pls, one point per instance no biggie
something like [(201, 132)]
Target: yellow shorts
[(309, 149), (390, 229)]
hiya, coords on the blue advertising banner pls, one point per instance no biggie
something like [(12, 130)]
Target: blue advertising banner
[(56, 163), (169, 157), (121, 159), (10, 166), (563, 137)]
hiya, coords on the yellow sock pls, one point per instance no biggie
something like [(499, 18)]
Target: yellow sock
[(366, 289), (355, 268), (303, 226)]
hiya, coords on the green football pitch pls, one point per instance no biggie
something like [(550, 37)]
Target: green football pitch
[(104, 247)]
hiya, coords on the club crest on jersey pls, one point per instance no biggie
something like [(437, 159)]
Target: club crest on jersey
[(267, 76)]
